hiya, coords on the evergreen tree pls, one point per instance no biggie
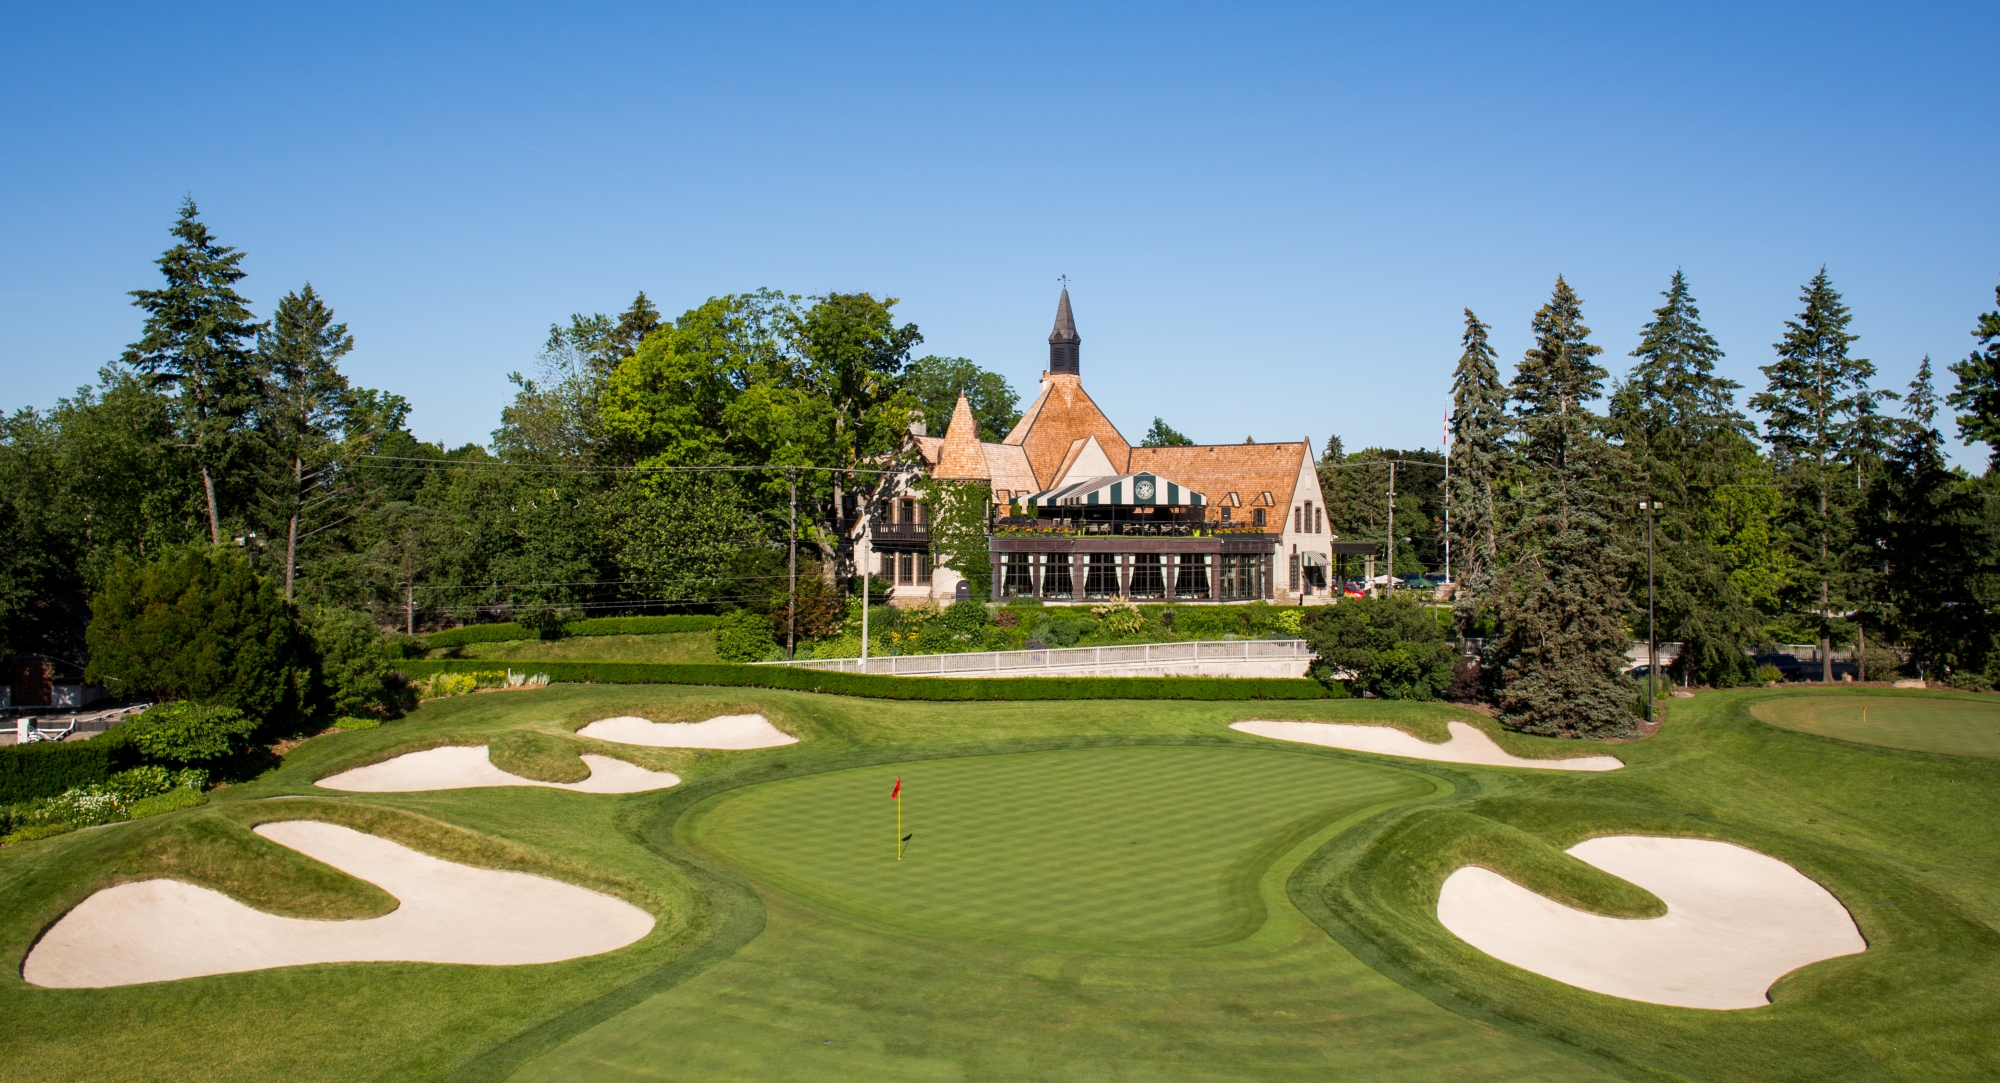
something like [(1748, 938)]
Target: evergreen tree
[(305, 411), (1478, 455), (1978, 393), (1560, 593), (640, 320), (1824, 434), (1678, 421), (1930, 530), (196, 341), (1164, 435)]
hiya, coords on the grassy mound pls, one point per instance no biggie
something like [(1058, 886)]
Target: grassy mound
[(1961, 726)]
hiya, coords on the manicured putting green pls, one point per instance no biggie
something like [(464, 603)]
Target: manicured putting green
[(1962, 727), (1105, 848)]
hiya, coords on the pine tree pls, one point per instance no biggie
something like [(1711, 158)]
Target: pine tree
[(640, 320), (1928, 524), (1678, 421), (197, 341), (1478, 454), (306, 409), (1978, 392), (1824, 434), (1560, 592)]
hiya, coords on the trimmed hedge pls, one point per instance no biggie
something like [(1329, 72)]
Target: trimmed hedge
[(594, 626), (48, 768), (909, 688)]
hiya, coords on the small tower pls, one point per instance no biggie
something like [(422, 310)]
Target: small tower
[(1064, 341)]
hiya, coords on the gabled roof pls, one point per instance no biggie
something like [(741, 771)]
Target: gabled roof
[(1061, 415), (1247, 469), (1008, 470)]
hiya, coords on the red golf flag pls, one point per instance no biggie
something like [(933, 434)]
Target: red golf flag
[(897, 793)]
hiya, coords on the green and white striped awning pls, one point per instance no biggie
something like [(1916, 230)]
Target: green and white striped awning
[(1140, 490)]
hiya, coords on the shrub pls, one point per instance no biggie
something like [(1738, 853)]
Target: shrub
[(744, 636), (1289, 621), (1119, 618), (440, 685), (187, 732), (199, 624), (345, 724), (30, 834), (47, 768), (1392, 646), (1970, 680), (171, 801), (1057, 632), (1768, 674), (354, 661)]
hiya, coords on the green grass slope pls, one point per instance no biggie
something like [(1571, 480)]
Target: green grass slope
[(1962, 724)]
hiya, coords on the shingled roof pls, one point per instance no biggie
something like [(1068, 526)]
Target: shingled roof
[(1248, 470), (961, 458), (1061, 415)]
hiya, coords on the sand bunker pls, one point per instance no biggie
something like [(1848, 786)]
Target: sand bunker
[(458, 767), (1468, 744), (1736, 921), (162, 930), (727, 731)]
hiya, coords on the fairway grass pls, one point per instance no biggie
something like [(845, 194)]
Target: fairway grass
[(1128, 848), (1100, 890), (1968, 725)]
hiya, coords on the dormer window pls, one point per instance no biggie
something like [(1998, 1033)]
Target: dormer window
[(1257, 517)]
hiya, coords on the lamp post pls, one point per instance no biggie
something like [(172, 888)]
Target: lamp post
[(1652, 649)]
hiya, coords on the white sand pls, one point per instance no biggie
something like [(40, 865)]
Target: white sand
[(727, 731), (162, 930), (1468, 744), (456, 767), (1736, 921)]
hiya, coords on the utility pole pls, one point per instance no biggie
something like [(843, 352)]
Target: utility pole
[(1447, 498), (866, 562), (1652, 647), (792, 575), (1392, 521)]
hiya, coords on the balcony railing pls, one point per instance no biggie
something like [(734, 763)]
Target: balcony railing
[(889, 532)]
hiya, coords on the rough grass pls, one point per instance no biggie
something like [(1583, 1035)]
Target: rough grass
[(1957, 724), (786, 975), (675, 647), (543, 757)]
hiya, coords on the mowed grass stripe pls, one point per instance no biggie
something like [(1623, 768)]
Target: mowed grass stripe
[(1108, 846)]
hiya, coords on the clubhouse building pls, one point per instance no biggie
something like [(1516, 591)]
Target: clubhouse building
[(1080, 515)]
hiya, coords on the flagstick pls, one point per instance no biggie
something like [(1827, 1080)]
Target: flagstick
[(899, 828)]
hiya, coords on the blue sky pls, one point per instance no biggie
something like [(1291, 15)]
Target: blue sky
[(1271, 217)]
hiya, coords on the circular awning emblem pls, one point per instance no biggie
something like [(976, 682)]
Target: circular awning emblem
[(1143, 489)]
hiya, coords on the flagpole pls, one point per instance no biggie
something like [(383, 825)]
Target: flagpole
[(899, 829)]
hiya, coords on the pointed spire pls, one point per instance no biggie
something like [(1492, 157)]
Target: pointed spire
[(1064, 341), (961, 457)]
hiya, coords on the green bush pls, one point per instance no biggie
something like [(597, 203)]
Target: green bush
[(187, 732), (744, 636), (199, 624), (355, 723), (1768, 674), (940, 689), (30, 834), (1056, 631), (172, 801), (355, 662), (47, 768), (1970, 680), (1392, 646)]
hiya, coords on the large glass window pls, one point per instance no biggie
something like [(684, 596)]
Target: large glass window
[(1147, 580), (905, 568), (1191, 581), (1102, 579), (1020, 576), (1056, 577), (923, 568)]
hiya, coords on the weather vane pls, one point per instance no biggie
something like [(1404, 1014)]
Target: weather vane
[(1064, 279)]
